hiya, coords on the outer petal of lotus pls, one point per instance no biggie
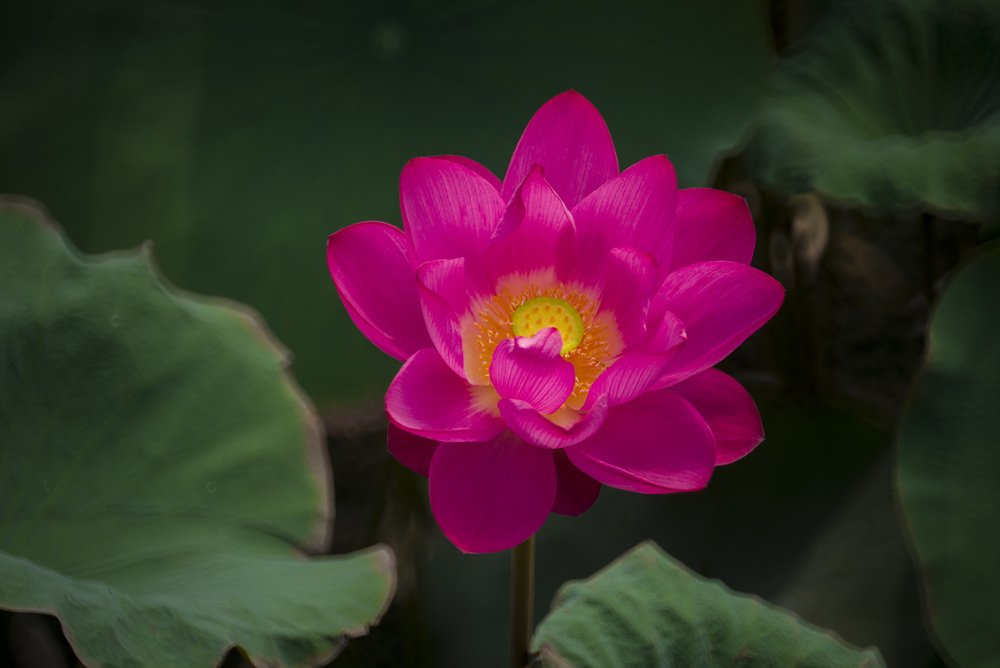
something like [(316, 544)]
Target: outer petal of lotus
[(490, 496), (576, 491), (729, 411), (721, 304), (386, 311), (412, 451), (712, 225), (570, 140), (441, 287), (428, 399), (476, 167), (656, 444), (448, 210), (635, 209)]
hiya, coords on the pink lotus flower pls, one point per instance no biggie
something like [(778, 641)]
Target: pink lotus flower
[(558, 327)]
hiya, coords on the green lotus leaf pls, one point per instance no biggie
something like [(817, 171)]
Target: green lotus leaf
[(949, 465), (238, 135), (646, 609), (895, 106), (162, 476)]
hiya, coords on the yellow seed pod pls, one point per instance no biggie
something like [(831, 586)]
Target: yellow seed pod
[(541, 313)]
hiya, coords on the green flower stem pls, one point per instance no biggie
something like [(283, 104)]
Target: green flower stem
[(522, 595)]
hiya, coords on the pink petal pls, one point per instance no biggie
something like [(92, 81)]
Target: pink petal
[(443, 299), (575, 491), (721, 304), (428, 399), (629, 280), (536, 429), (474, 166), (448, 210), (536, 232), (634, 209), (668, 335), (491, 496), (531, 369), (655, 444), (570, 140), (712, 225), (412, 451), (635, 372), (729, 410), (385, 310)]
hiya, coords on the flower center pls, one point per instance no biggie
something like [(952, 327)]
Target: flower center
[(543, 312), (591, 339)]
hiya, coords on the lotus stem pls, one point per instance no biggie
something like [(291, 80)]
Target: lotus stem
[(522, 595)]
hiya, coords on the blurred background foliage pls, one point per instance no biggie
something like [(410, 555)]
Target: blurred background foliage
[(238, 135), (897, 108)]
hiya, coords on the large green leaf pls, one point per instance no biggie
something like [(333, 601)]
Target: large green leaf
[(892, 105), (238, 135), (160, 472), (949, 465), (646, 609)]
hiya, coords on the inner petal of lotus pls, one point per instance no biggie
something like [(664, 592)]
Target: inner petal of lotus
[(522, 306)]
